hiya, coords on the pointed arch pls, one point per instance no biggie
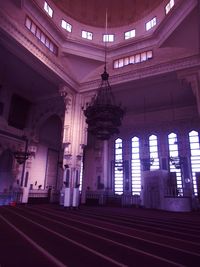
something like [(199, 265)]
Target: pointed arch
[(118, 167), (195, 159), (135, 166), (153, 152), (174, 156)]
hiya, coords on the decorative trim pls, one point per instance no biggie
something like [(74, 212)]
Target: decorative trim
[(13, 30), (149, 71)]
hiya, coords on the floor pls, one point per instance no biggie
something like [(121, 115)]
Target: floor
[(50, 235)]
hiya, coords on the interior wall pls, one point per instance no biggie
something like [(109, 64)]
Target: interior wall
[(6, 176), (160, 123), (44, 171)]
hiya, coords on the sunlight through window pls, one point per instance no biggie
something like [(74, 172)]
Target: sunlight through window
[(195, 157), (118, 168), (174, 154), (136, 167), (153, 152)]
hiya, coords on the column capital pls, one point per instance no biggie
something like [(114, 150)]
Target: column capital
[(66, 93)]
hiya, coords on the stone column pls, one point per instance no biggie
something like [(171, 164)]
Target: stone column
[(163, 151), (105, 164), (74, 140)]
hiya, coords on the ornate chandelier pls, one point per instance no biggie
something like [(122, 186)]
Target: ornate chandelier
[(22, 156), (103, 115)]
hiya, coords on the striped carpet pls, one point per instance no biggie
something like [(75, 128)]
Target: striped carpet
[(50, 235)]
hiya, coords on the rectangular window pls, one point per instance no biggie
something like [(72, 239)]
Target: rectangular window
[(137, 58), (129, 34), (116, 64), (47, 43), (48, 9), (42, 38), (143, 56), (87, 35), (169, 6), (126, 61), (149, 54), (121, 62), (65, 25), (108, 37), (38, 33), (51, 47), (28, 23), (33, 28), (153, 22), (150, 24), (132, 59)]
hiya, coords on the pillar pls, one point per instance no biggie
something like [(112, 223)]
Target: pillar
[(74, 139)]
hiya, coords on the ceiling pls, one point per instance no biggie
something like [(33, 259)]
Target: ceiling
[(161, 92), (120, 12), (38, 82), (21, 78), (141, 96)]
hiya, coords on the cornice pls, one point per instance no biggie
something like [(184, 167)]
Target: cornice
[(13, 30), (159, 128), (156, 38), (41, 18), (138, 74), (84, 50)]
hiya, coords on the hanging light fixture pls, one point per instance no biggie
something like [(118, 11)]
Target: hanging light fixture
[(103, 115), (22, 156)]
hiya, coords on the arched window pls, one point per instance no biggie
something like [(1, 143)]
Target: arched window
[(153, 152), (175, 165), (118, 167), (195, 157), (81, 176), (136, 167)]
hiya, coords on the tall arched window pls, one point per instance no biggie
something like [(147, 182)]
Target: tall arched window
[(118, 167), (153, 152), (136, 166), (195, 157), (174, 157), (81, 176)]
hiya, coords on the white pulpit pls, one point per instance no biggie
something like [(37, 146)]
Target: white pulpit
[(25, 193), (153, 188), (75, 198), (67, 197)]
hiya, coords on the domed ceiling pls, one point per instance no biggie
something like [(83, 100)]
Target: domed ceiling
[(120, 12)]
